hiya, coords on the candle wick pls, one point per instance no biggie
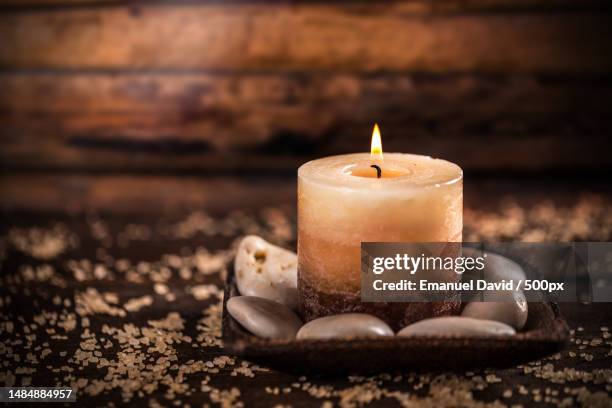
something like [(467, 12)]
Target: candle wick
[(378, 170)]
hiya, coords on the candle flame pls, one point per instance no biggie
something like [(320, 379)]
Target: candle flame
[(376, 151)]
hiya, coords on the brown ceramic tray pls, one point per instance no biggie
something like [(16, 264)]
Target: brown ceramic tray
[(545, 333)]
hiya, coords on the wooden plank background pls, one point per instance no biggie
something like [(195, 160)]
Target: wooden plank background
[(305, 37), (206, 86)]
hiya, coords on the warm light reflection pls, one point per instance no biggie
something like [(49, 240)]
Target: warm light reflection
[(376, 151)]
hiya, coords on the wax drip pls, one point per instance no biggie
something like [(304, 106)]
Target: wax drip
[(378, 170)]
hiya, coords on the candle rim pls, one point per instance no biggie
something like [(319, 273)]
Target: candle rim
[(406, 181)]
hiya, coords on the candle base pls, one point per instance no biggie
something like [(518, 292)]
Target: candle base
[(315, 303)]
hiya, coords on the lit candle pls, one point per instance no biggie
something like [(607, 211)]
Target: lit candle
[(348, 199)]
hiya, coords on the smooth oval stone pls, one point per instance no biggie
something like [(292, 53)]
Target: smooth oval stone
[(497, 267), (267, 271), (455, 325), (263, 317), (504, 306), (345, 325)]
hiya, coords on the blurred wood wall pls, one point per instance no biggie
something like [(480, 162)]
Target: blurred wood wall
[(240, 86)]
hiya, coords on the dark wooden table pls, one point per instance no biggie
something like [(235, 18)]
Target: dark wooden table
[(125, 308)]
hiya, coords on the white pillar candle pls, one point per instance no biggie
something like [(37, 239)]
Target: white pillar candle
[(342, 203)]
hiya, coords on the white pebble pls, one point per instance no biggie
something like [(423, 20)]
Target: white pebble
[(263, 317), (456, 326), (508, 307), (267, 271), (345, 325)]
